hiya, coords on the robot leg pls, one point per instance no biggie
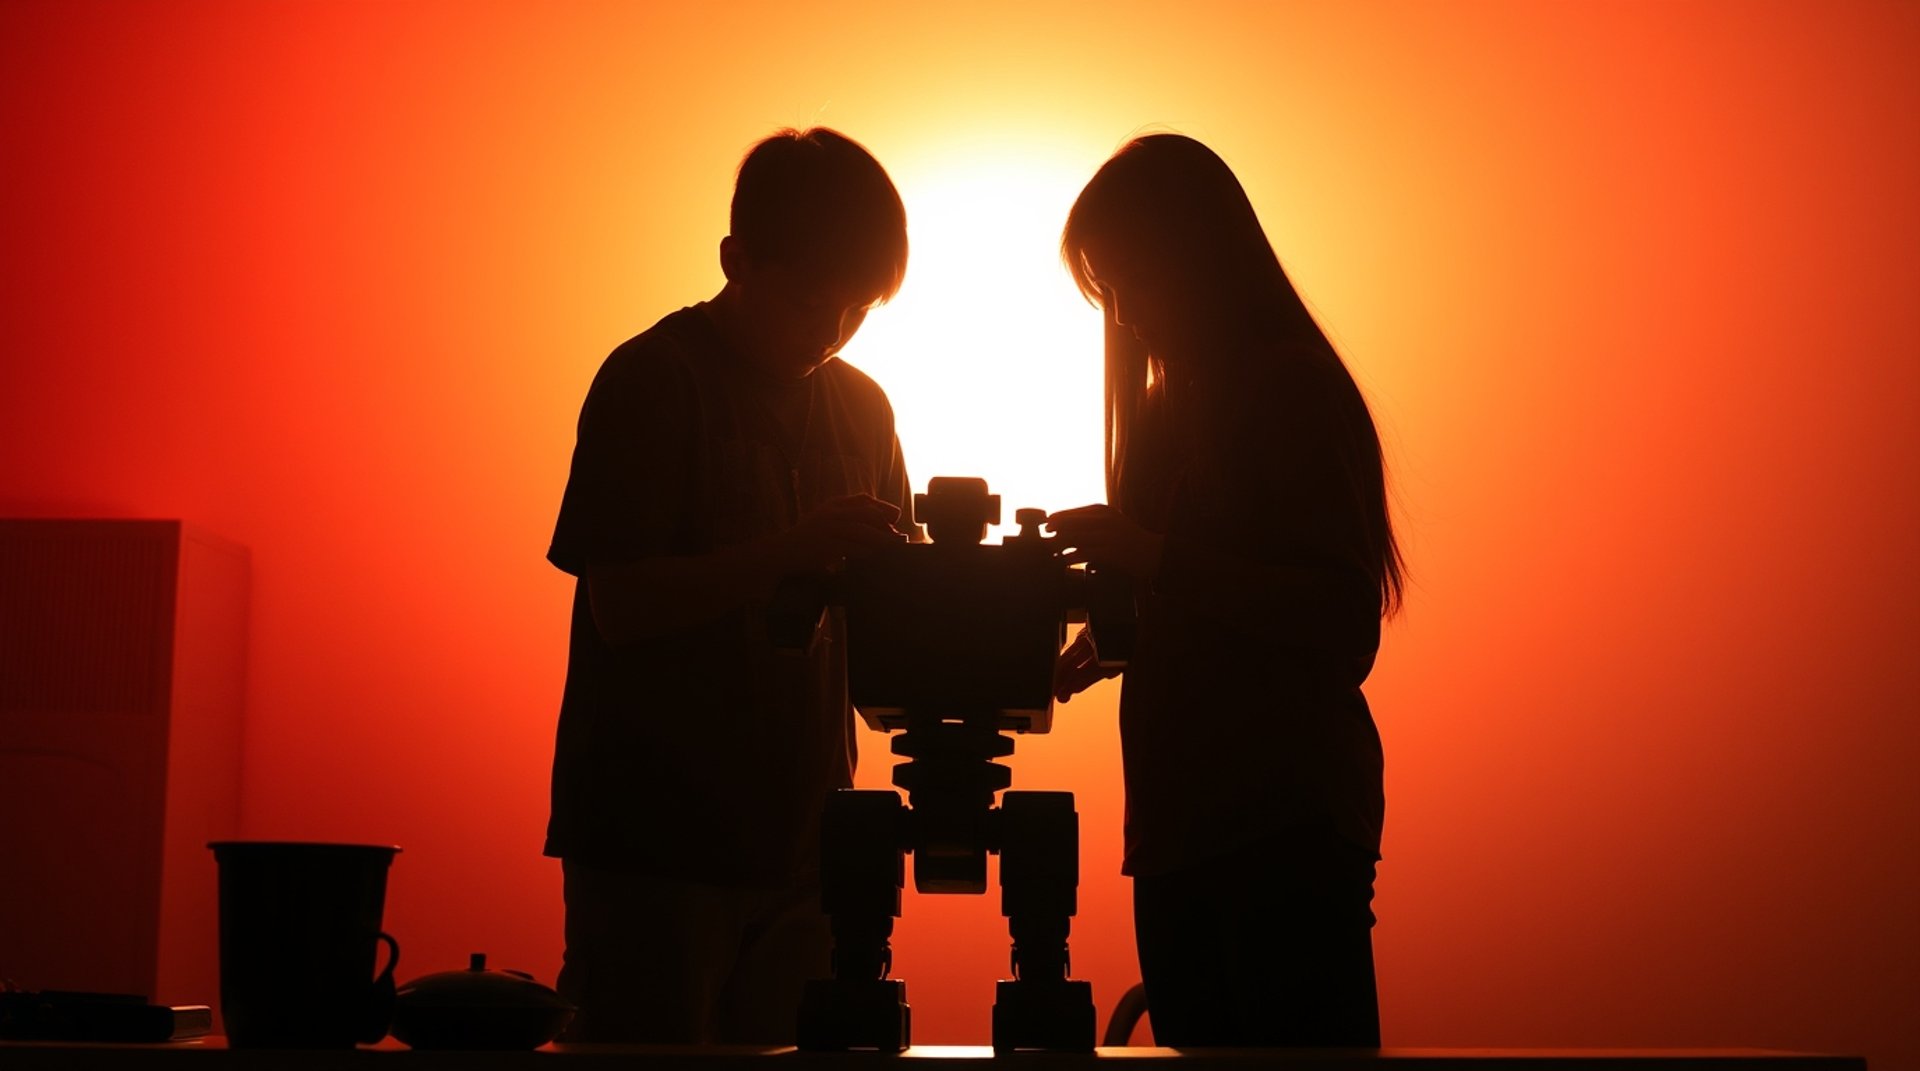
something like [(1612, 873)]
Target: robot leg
[(862, 869), (1040, 1007)]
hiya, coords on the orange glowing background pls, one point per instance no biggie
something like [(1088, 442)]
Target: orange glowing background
[(1632, 287)]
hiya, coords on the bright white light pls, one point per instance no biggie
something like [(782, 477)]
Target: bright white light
[(989, 353)]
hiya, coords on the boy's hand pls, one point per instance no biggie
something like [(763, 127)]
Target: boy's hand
[(837, 528)]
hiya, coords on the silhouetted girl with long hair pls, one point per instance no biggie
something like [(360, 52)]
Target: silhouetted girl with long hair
[(1248, 502)]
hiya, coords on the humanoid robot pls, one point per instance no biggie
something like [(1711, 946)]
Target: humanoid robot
[(951, 645)]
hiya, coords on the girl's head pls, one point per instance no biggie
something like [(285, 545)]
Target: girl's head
[(1165, 239), (1199, 313)]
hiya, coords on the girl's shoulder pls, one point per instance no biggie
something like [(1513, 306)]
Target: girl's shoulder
[(1289, 389)]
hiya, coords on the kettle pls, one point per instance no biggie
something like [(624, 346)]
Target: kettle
[(478, 1009)]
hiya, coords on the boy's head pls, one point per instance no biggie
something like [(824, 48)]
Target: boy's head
[(818, 204), (818, 237)]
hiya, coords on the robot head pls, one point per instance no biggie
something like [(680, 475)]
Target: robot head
[(957, 509)]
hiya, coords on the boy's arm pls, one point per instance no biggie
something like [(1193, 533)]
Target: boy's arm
[(638, 600)]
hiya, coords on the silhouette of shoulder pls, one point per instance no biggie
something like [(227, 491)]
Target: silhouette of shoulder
[(860, 393), (663, 357)]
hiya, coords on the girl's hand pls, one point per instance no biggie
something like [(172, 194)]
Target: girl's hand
[(1077, 670), (1108, 539)]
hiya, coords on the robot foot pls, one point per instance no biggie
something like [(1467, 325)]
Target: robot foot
[(1050, 1016), (840, 1014)]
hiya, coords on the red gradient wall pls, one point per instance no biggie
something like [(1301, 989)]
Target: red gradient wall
[(1632, 287)]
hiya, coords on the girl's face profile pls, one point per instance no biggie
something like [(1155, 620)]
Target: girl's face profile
[(1130, 299)]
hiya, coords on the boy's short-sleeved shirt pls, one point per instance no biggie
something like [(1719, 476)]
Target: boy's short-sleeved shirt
[(706, 754)]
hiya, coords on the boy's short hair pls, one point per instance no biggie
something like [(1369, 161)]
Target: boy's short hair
[(817, 201)]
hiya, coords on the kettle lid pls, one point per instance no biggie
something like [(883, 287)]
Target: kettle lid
[(479, 987)]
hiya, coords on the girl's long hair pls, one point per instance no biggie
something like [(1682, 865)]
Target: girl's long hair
[(1172, 211)]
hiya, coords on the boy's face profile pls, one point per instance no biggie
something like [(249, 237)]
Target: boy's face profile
[(793, 321)]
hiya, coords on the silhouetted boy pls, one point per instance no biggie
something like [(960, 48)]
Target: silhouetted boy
[(719, 451)]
